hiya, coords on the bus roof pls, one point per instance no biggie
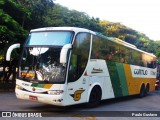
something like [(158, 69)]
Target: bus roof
[(117, 40), (76, 30)]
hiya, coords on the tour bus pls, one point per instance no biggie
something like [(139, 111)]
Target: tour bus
[(68, 65)]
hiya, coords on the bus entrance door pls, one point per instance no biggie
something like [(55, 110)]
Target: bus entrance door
[(77, 91)]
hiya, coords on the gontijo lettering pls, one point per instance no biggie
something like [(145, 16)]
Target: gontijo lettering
[(140, 72)]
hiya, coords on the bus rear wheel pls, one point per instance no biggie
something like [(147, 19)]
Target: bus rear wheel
[(147, 89), (95, 97), (142, 91)]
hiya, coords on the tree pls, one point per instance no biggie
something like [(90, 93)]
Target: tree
[(62, 16), (154, 47), (38, 10), (11, 24), (17, 17)]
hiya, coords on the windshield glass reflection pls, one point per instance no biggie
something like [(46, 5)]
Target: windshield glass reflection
[(42, 64)]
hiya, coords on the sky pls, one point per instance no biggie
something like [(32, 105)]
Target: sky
[(140, 15)]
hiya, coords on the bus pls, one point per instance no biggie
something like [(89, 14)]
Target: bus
[(65, 66)]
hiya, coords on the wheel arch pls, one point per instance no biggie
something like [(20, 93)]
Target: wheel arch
[(142, 91), (95, 85), (142, 85)]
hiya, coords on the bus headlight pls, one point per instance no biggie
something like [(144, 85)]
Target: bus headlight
[(55, 92), (19, 87)]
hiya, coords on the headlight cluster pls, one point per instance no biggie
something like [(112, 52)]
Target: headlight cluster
[(19, 87)]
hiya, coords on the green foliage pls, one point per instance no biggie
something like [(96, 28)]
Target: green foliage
[(62, 16), (17, 17), (38, 10), (155, 47), (134, 37), (11, 31)]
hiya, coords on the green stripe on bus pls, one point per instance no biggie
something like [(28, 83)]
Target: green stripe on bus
[(40, 85), (122, 77), (115, 80), (34, 85)]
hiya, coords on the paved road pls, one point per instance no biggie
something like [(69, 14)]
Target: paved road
[(8, 102)]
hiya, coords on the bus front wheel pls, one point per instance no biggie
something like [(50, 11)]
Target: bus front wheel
[(95, 97)]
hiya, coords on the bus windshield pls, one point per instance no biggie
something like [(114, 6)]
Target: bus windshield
[(40, 61), (42, 65), (55, 38)]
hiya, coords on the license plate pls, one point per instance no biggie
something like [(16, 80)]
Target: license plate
[(34, 98)]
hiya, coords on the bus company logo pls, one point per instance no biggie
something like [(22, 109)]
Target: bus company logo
[(77, 95), (94, 71), (140, 72)]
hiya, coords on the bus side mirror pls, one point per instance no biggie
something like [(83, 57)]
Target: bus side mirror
[(63, 54), (10, 49)]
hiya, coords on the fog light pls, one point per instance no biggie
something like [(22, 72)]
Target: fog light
[(60, 100)]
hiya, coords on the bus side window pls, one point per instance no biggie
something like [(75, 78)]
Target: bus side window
[(95, 47), (79, 57), (73, 68), (154, 64)]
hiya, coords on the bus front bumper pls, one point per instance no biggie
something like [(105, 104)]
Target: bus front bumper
[(38, 97)]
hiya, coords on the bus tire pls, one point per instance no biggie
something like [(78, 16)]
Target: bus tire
[(147, 89), (95, 97), (156, 88), (142, 91)]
